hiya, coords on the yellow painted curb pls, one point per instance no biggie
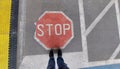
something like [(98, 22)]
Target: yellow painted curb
[(5, 13)]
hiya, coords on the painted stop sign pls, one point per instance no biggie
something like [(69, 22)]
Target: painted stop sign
[(53, 30)]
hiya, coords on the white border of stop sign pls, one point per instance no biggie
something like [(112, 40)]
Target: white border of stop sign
[(71, 29)]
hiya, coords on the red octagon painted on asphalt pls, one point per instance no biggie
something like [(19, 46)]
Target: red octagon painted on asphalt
[(54, 30)]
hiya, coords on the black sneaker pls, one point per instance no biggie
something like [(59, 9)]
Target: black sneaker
[(51, 54), (59, 53)]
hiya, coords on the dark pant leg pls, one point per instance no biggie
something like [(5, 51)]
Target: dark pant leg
[(51, 64), (61, 64)]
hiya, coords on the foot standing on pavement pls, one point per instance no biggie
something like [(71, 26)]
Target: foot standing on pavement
[(60, 61)]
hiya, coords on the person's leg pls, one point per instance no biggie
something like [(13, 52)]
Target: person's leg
[(60, 61), (51, 63)]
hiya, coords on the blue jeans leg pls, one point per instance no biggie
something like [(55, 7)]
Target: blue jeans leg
[(51, 63), (61, 64)]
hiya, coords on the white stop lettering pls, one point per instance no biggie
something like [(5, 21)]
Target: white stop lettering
[(59, 29)]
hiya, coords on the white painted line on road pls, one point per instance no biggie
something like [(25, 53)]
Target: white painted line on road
[(118, 15), (71, 59), (74, 60), (99, 17), (100, 63), (82, 25), (116, 52), (22, 25)]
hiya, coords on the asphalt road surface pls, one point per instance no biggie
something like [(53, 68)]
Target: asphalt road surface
[(96, 28)]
